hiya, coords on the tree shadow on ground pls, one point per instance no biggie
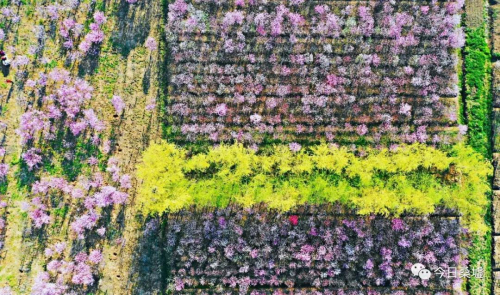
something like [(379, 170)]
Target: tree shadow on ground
[(5, 70), (134, 25), (146, 270), (146, 79), (90, 62)]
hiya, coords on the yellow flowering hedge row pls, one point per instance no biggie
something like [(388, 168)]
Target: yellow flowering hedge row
[(413, 179)]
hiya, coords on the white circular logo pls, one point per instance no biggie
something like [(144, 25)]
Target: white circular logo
[(424, 274), (416, 268)]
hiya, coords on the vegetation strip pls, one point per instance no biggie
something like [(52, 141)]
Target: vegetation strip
[(411, 179), (478, 97)]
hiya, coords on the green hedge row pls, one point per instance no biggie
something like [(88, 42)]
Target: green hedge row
[(478, 107)]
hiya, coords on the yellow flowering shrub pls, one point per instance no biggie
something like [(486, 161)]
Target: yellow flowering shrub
[(413, 179)]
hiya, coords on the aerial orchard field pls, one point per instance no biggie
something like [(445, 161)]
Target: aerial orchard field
[(249, 147), (294, 71)]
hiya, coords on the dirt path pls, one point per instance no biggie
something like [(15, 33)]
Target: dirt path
[(137, 82), (475, 13)]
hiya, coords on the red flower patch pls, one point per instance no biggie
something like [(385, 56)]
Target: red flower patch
[(294, 219)]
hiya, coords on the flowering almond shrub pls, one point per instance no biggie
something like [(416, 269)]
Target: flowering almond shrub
[(410, 179), (58, 121), (93, 193), (92, 196), (62, 274), (252, 249), (282, 71)]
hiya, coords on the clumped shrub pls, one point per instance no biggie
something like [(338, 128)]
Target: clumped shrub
[(61, 118)]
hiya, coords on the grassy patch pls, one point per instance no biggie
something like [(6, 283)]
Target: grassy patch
[(480, 257), (477, 85), (478, 106), (107, 72)]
